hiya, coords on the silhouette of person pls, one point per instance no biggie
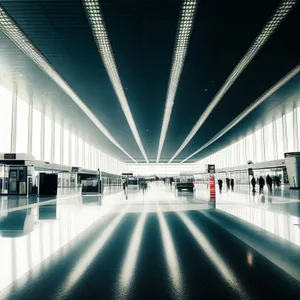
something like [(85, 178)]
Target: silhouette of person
[(253, 183), (269, 182), (232, 183), (261, 183)]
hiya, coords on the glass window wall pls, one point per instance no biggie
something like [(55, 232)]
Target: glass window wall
[(290, 131), (5, 119), (48, 139), (57, 144), (22, 126), (66, 147), (36, 134)]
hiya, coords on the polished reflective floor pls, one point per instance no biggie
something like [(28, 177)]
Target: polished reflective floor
[(150, 244)]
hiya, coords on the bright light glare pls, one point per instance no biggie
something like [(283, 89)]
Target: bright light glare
[(170, 254), (98, 27), (249, 109), (214, 257), (16, 35), (184, 31), (280, 14), (88, 257), (130, 260)]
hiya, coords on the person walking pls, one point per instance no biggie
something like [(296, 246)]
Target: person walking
[(261, 183), (220, 183), (228, 183), (253, 183), (277, 180), (269, 182), (232, 183)]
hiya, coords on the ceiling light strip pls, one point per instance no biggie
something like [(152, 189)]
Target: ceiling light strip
[(16, 35), (97, 23), (280, 14), (249, 109), (183, 35)]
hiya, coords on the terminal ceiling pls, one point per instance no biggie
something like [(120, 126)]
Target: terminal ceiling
[(142, 35)]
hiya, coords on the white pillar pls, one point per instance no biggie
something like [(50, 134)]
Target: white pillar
[(263, 143), (83, 153), (254, 147), (245, 150), (275, 145), (284, 130), (76, 149), (52, 153), (43, 132), (30, 121), (295, 127), (70, 146), (14, 116), (62, 162)]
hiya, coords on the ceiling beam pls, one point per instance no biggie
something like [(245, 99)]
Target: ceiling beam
[(279, 15), (249, 109), (10, 28), (96, 20), (184, 31)]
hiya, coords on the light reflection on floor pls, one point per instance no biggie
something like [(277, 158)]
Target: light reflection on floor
[(46, 226), (282, 225)]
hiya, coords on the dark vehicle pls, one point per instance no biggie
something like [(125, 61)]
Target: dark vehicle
[(185, 182), (185, 186)]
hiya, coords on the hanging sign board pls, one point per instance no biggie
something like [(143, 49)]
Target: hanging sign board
[(211, 169), (291, 154), (9, 155), (75, 169)]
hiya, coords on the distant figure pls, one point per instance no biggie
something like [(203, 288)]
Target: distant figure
[(269, 182), (232, 183), (253, 183), (228, 183), (261, 183), (220, 183), (277, 181), (124, 185)]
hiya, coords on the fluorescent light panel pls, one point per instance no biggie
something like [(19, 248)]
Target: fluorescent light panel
[(280, 14), (184, 30), (98, 27), (249, 109), (15, 34)]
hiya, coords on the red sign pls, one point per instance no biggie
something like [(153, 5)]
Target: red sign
[(212, 188)]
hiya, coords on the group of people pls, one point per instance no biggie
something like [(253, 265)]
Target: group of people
[(261, 182), (229, 183)]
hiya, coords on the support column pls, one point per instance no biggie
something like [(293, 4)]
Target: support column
[(284, 131), (254, 147), (275, 145), (70, 146), (13, 145), (83, 153), (263, 143), (30, 123), (52, 153), (76, 148), (295, 127), (43, 132), (62, 162), (245, 150)]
